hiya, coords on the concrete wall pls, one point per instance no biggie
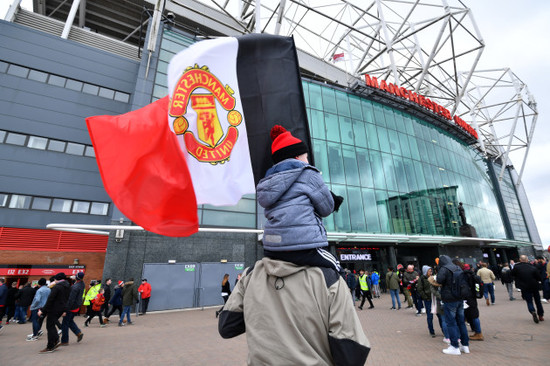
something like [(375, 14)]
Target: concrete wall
[(125, 259)]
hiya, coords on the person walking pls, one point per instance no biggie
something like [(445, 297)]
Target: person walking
[(507, 280), (3, 297), (437, 308), (129, 297), (471, 314), (226, 291), (116, 301), (38, 303), (107, 294), (10, 302), (72, 308), (90, 295), (365, 289), (145, 292), (351, 281), (392, 281), (375, 280), (54, 308), (487, 277), (97, 306), (25, 297), (527, 280), (453, 307), (410, 278), (424, 291)]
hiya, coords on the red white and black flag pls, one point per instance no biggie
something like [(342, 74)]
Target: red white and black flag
[(208, 141)]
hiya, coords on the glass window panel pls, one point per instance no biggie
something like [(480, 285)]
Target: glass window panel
[(399, 123), (415, 153), (383, 212), (378, 115), (106, 93), (40, 203), (55, 145), (99, 208), (3, 199), (384, 139), (90, 89), (356, 212), (122, 97), (432, 157), (305, 89), (370, 210), (90, 152), (74, 85), (359, 133), (377, 169), (75, 149), (244, 205), (3, 66), (410, 174), (2, 135), (20, 201), (317, 122), (420, 180), (36, 142), (61, 205), (329, 223), (350, 166), (81, 207), (228, 219), (404, 142), (367, 109), (17, 70), (389, 171), (437, 176), (315, 98), (423, 151), (409, 125), (321, 158), (346, 131), (355, 107), (16, 139), (388, 116), (400, 176), (372, 136), (342, 217), (332, 127), (336, 165), (427, 168), (38, 76), (329, 100), (57, 80), (365, 171), (342, 104), (393, 140)]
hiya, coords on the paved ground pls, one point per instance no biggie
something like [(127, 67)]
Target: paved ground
[(191, 338)]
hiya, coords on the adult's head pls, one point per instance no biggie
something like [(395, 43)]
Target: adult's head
[(80, 276), (60, 277), (144, 280), (523, 258), (286, 146), (108, 281), (225, 278), (42, 282), (505, 265), (390, 269), (361, 272)]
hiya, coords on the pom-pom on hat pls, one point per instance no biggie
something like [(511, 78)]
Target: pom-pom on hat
[(285, 145)]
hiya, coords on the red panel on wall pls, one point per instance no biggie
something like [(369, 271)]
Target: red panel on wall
[(49, 240)]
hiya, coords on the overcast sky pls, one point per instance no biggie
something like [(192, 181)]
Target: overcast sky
[(515, 35)]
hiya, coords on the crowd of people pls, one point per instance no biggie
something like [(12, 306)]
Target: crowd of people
[(60, 300), (436, 290)]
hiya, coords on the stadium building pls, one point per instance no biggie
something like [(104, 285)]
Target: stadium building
[(403, 125)]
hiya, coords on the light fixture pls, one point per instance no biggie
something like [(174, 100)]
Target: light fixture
[(223, 260), (171, 261), (75, 261), (119, 235)]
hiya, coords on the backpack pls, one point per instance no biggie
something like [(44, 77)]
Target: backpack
[(460, 287)]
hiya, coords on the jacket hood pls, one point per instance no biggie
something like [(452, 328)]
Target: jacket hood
[(425, 270), (279, 268), (128, 283), (278, 180), (445, 260)]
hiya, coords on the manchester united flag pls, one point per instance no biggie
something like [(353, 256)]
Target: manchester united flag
[(224, 96)]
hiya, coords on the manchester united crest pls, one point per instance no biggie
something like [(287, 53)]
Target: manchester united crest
[(210, 145)]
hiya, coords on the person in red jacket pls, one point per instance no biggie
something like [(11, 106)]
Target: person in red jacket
[(97, 305), (145, 293)]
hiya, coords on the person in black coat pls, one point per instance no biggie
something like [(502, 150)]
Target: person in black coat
[(25, 296), (55, 306), (107, 294), (10, 301), (527, 280), (116, 301), (226, 291)]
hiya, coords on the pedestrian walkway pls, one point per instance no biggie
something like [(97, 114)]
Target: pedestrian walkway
[(191, 338)]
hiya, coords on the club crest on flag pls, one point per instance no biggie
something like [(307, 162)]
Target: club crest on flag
[(210, 145)]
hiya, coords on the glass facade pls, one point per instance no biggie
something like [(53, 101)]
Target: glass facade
[(397, 173)]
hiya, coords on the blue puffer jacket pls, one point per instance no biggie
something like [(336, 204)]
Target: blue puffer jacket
[(295, 198)]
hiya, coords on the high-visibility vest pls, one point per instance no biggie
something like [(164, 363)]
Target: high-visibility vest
[(363, 282)]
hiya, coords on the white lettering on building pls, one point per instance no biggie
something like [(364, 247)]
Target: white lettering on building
[(355, 257)]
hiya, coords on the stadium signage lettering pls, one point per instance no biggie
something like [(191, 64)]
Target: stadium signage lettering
[(420, 100), (355, 257)]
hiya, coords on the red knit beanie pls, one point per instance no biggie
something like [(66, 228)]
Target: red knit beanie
[(285, 145)]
